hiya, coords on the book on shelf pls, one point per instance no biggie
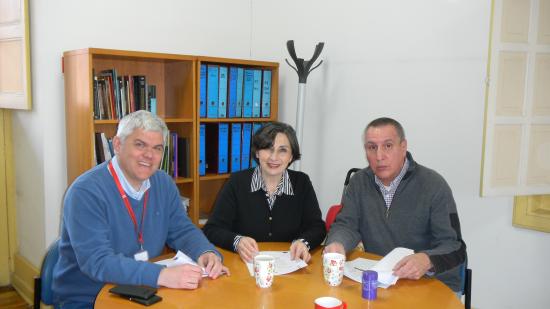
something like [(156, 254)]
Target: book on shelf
[(183, 157), (245, 148), (216, 137), (175, 153), (111, 79), (247, 93), (103, 147), (212, 91), (255, 127), (222, 100), (202, 149), (239, 91), (235, 160), (256, 93), (115, 96), (232, 93), (152, 99), (266, 94), (99, 154), (202, 92), (223, 150)]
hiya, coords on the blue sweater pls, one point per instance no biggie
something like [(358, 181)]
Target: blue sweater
[(98, 238)]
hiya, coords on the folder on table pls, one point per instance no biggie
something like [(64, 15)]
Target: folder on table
[(235, 147), (203, 91), (212, 91), (245, 153), (266, 94), (247, 93), (222, 111), (256, 93)]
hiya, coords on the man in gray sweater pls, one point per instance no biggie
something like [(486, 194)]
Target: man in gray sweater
[(396, 202)]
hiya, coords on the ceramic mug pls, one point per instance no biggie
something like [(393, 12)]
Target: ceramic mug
[(264, 267), (333, 268), (329, 303)]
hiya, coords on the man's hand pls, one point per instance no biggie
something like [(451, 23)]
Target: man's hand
[(413, 266), (335, 247), (180, 277), (212, 264), (247, 249), (299, 250)]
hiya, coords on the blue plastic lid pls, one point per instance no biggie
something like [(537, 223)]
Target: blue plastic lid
[(370, 275)]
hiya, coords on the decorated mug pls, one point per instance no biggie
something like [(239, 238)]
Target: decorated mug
[(264, 268), (333, 268)]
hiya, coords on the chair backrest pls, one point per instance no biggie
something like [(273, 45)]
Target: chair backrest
[(46, 273), (331, 215), (467, 290)]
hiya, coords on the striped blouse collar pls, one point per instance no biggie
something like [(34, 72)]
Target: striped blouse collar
[(284, 186)]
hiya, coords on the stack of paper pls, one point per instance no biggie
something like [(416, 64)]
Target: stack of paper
[(283, 263), (354, 269)]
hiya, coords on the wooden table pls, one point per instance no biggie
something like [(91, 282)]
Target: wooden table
[(295, 290)]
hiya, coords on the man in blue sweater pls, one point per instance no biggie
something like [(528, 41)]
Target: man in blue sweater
[(396, 202), (122, 212)]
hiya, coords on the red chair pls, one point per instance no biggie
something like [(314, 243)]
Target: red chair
[(331, 215), (335, 209)]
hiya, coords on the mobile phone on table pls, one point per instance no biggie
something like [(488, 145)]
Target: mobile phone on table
[(133, 291), (147, 302)]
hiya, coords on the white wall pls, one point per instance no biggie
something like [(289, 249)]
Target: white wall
[(421, 62)]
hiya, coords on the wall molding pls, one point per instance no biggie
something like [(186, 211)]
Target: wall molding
[(22, 278)]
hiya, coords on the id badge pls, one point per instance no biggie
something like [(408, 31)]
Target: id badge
[(142, 255)]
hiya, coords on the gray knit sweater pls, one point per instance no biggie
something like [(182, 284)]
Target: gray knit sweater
[(422, 216)]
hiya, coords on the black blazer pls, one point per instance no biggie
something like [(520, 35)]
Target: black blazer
[(238, 211)]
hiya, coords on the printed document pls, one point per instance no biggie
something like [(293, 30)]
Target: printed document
[(283, 264), (354, 269)]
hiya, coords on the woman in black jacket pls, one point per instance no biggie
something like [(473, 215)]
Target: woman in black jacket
[(268, 202)]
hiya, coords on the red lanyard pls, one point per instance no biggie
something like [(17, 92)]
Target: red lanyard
[(129, 207)]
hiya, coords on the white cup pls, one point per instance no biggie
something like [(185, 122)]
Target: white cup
[(333, 268), (264, 267)]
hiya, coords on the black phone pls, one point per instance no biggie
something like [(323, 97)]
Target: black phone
[(147, 302), (134, 291)]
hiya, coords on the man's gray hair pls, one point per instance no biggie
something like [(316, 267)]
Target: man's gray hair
[(385, 121), (141, 120)]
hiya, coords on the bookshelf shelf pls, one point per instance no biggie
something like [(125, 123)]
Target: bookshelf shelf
[(183, 180), (231, 120), (177, 81), (214, 177)]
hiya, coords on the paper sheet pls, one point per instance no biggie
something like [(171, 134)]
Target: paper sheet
[(180, 259), (283, 263), (354, 269)]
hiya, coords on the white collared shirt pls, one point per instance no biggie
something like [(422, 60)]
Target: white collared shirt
[(130, 191)]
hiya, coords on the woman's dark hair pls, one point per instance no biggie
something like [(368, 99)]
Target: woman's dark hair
[(265, 136)]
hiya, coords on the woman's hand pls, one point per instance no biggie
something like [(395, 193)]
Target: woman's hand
[(299, 250), (247, 248)]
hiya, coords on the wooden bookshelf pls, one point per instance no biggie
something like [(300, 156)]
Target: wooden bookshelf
[(177, 80)]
